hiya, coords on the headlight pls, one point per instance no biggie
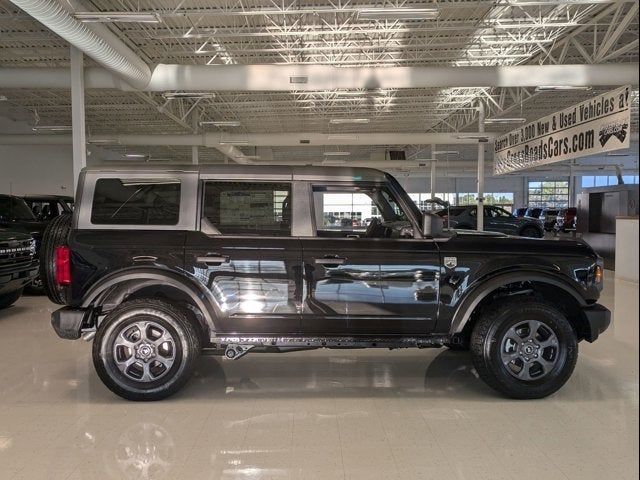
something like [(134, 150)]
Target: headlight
[(32, 247)]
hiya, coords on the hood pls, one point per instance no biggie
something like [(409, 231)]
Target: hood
[(491, 242), (10, 236)]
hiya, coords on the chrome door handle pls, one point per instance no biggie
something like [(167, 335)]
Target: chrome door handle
[(212, 259), (330, 261)]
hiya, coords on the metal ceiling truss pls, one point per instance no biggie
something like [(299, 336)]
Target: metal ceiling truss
[(466, 32)]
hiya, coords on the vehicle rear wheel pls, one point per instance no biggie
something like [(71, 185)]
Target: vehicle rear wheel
[(145, 350), (55, 235), (524, 349), (531, 232), (8, 299)]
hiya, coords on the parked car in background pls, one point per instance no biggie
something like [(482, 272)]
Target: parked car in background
[(550, 218), (534, 212), (18, 265), (48, 207), (17, 216), (520, 212), (496, 219), (567, 221)]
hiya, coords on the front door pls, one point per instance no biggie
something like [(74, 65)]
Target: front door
[(364, 272), (246, 258)]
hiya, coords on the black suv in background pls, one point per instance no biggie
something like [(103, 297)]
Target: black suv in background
[(159, 266), (47, 207), (496, 219), (17, 215), (18, 265)]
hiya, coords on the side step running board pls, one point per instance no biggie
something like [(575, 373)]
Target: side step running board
[(235, 347)]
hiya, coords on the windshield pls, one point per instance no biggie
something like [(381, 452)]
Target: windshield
[(15, 209), (404, 196)]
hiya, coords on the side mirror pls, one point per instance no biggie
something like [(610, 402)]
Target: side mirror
[(432, 225)]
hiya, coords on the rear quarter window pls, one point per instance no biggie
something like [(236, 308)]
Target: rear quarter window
[(121, 201)]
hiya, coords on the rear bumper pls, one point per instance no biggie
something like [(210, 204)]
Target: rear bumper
[(598, 320), (68, 322), (12, 280)]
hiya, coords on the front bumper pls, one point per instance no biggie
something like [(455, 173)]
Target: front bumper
[(598, 319), (68, 322), (15, 279)]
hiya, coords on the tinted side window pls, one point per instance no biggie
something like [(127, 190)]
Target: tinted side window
[(120, 201), (238, 208)]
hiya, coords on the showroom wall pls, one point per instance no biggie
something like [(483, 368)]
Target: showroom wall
[(36, 169)]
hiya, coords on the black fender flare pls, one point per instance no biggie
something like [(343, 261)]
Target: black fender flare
[(116, 286), (487, 285)]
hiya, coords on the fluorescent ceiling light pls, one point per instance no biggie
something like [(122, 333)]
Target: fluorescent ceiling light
[(341, 121), (337, 154), (51, 128), (530, 24), (134, 155), (401, 13), (119, 17), (445, 152), (192, 95), (249, 157), (234, 142), (221, 123), (505, 120), (553, 88)]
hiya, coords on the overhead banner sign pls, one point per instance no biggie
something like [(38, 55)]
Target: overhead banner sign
[(600, 124)]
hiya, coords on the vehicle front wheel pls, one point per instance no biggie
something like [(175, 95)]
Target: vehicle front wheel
[(8, 299), (145, 350), (524, 349)]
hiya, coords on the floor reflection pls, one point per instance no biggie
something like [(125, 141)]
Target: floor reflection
[(322, 414)]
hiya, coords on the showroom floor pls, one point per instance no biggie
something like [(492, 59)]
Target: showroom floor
[(322, 414)]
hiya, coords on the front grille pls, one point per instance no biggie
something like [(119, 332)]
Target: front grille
[(16, 252)]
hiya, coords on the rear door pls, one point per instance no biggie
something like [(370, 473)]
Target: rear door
[(245, 256)]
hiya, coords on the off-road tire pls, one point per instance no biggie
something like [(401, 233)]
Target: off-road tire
[(55, 235), (8, 299), (174, 320), (486, 344)]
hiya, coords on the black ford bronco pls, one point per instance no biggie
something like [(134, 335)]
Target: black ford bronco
[(18, 265), (158, 266)]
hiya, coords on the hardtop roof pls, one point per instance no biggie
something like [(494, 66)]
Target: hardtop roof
[(296, 172)]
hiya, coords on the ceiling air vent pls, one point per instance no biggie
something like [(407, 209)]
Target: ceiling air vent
[(305, 142), (298, 79)]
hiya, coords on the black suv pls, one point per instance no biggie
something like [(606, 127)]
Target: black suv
[(159, 266), (18, 265), (17, 216)]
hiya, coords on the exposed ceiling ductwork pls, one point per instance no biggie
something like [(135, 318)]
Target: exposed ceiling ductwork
[(301, 77), (226, 140), (96, 41)]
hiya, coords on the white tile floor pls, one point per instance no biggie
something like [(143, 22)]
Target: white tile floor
[(319, 415)]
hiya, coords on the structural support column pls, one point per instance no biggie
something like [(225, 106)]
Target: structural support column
[(433, 172), (480, 209), (77, 115), (195, 118)]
